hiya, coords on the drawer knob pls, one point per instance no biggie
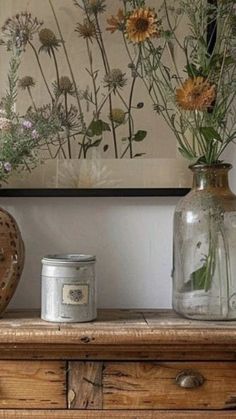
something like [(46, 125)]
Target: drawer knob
[(189, 379)]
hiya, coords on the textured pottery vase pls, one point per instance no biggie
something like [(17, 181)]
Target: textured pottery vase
[(12, 255), (204, 271)]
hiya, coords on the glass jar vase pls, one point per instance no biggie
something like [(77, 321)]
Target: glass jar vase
[(204, 254)]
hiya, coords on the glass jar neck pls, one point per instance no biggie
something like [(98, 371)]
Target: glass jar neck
[(209, 177)]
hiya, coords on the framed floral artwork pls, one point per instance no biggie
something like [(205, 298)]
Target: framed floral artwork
[(79, 115)]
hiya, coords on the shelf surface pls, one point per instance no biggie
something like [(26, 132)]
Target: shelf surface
[(116, 328)]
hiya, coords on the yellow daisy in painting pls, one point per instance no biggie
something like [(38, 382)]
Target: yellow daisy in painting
[(141, 25), (196, 94)]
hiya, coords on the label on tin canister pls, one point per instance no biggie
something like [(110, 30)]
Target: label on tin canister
[(75, 294)]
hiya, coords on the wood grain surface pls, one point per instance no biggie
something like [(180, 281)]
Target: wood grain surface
[(117, 327), (32, 384), (118, 352), (151, 385), (124, 365), (117, 335), (47, 414), (85, 385), (140, 385)]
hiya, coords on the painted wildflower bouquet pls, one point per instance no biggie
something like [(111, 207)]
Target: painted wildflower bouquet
[(21, 136), (182, 51), (195, 97)]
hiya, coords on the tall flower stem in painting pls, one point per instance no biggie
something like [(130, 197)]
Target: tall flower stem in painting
[(100, 42), (127, 49), (134, 75), (31, 98), (67, 129), (101, 45), (60, 148), (82, 150), (130, 118), (113, 130), (107, 69), (93, 76), (172, 29), (56, 66), (41, 69), (69, 65)]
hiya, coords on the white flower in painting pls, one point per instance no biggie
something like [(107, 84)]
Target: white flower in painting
[(2, 113), (27, 124), (91, 173), (35, 134), (7, 166)]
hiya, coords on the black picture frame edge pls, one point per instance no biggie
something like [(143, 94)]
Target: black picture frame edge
[(93, 193)]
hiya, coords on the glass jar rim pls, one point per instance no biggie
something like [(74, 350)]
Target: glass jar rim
[(204, 167)]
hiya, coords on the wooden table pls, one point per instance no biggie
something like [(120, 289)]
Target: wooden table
[(129, 364)]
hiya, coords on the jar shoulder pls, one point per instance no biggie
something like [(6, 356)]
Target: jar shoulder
[(202, 200)]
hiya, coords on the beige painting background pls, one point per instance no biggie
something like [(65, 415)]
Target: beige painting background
[(160, 167)]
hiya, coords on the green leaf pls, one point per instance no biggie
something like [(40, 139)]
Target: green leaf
[(186, 154), (229, 60), (94, 144), (202, 41), (139, 154), (209, 133), (97, 128), (140, 135), (197, 280), (218, 59), (105, 148), (192, 70)]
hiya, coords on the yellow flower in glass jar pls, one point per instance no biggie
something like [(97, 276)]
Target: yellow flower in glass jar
[(196, 94), (141, 25)]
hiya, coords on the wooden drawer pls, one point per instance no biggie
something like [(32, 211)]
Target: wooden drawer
[(32, 384), (151, 385)]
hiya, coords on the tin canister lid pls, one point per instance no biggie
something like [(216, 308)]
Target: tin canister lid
[(68, 259)]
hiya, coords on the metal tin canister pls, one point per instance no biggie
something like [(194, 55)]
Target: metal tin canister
[(68, 288)]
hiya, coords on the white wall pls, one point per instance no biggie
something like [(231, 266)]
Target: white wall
[(132, 238)]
